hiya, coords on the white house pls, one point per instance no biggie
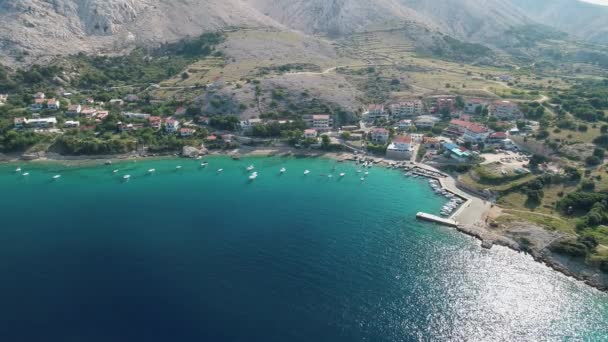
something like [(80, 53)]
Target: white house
[(171, 125), (38, 105), (3, 98), (320, 122), (19, 123), (426, 121), (376, 111), (88, 112), (406, 109), (310, 134), (35, 122), (471, 106), (469, 131), (476, 133), (39, 95), (53, 104), (401, 148), (155, 122), (404, 125), (380, 135), (186, 132), (73, 110), (71, 124), (137, 116)]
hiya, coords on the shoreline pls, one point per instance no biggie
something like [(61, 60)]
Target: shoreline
[(471, 217)]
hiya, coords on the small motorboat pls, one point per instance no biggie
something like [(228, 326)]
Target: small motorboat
[(178, 167), (306, 172), (362, 179), (18, 169), (126, 177), (115, 171), (283, 170), (253, 176), (220, 170), (151, 170), (367, 173), (250, 168), (204, 164), (342, 174), (26, 174), (55, 177), (330, 176)]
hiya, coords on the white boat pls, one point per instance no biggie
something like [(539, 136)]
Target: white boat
[(306, 172), (283, 170), (253, 176), (26, 174), (151, 170), (204, 164), (115, 171), (220, 170), (126, 177), (56, 176), (362, 179), (18, 169), (358, 171), (178, 167), (367, 173), (342, 174), (250, 168), (330, 176)]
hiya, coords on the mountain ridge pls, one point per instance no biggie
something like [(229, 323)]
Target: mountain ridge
[(37, 29)]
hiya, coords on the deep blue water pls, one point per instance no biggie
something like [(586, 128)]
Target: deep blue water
[(193, 255)]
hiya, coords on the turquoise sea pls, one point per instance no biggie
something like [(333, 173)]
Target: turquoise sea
[(197, 255)]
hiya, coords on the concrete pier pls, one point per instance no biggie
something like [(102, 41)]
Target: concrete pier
[(436, 219)]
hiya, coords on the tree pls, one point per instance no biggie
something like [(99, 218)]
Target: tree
[(459, 102), (593, 161), (599, 152), (325, 142)]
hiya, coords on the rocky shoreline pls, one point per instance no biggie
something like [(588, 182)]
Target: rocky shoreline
[(489, 238)]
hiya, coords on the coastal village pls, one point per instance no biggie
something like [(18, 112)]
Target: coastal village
[(439, 129), (462, 145)]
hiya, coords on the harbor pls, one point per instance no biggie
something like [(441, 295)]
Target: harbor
[(436, 219)]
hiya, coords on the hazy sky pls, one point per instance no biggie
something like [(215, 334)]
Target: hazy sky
[(599, 2)]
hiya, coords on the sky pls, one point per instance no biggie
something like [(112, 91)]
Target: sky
[(599, 2)]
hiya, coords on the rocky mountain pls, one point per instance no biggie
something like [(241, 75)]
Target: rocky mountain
[(32, 29), (50, 27), (581, 19)]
